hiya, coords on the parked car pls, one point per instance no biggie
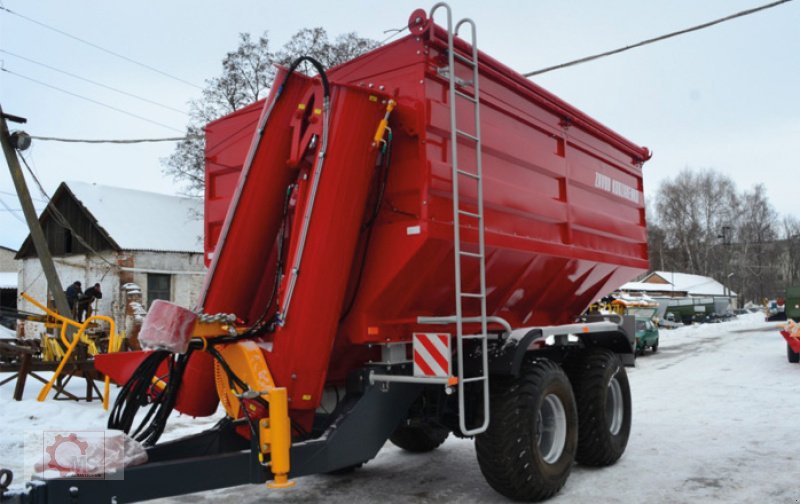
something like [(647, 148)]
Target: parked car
[(646, 335)]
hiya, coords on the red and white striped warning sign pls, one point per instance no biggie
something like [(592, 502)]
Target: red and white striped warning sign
[(431, 354)]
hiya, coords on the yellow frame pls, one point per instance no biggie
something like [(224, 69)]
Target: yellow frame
[(113, 344)]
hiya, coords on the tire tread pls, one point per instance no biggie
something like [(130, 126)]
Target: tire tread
[(504, 450)]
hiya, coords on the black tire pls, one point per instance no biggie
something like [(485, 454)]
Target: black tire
[(517, 457), (793, 356), (655, 347), (603, 397), (419, 438)]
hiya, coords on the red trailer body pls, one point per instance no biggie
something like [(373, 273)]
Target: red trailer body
[(564, 214), (328, 236)]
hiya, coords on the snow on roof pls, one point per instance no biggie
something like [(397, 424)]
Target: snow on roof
[(140, 220), (646, 287), (8, 279), (695, 285)]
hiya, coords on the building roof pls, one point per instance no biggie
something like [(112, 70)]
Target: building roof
[(648, 287), (8, 279), (140, 220), (694, 285)]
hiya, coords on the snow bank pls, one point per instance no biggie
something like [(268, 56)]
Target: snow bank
[(712, 422)]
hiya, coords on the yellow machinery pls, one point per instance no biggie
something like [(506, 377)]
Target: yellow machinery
[(53, 351)]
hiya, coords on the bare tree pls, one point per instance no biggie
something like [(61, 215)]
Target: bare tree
[(791, 235), (756, 239), (247, 76), (692, 210), (701, 224)]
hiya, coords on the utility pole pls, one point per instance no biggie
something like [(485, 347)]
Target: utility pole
[(37, 235), (726, 241)]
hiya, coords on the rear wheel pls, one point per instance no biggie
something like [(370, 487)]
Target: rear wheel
[(419, 438), (528, 450), (793, 356), (603, 396), (655, 347)]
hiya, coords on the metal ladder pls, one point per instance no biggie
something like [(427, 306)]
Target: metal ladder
[(460, 254)]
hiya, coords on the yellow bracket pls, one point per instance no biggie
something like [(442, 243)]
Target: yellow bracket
[(275, 437), (246, 360), (213, 329), (113, 344)]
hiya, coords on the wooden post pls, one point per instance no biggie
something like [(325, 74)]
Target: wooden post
[(22, 375), (37, 235)]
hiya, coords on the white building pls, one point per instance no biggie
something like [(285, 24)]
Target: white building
[(8, 286), (684, 294), (671, 284), (114, 236)]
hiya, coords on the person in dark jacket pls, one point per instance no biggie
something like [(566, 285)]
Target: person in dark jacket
[(73, 292), (86, 300)]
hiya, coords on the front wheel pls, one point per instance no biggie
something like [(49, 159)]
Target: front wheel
[(528, 450), (793, 356), (603, 396), (419, 438)]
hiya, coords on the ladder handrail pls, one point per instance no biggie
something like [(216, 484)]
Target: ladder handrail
[(457, 211)]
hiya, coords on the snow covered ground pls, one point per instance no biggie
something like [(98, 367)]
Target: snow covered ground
[(712, 422)]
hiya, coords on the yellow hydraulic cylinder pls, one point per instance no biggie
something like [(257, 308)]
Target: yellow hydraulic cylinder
[(278, 430), (383, 124)]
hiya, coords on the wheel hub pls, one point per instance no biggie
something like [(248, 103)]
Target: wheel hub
[(614, 406), (552, 435)]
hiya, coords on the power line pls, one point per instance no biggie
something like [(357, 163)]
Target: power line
[(96, 83), (11, 211), (108, 51), (10, 193), (656, 39), (90, 100), (113, 141)]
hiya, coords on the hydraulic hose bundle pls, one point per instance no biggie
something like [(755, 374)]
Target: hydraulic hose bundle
[(144, 388)]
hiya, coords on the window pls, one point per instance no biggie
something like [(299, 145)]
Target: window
[(159, 286), (67, 241)]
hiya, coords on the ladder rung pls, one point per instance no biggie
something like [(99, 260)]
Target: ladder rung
[(467, 97), (470, 214), (468, 174), (464, 59), (473, 295), (474, 336), (467, 135), (470, 254), (473, 379)]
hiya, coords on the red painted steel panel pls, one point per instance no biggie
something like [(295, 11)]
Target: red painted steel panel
[(239, 279), (301, 348), (563, 202), (227, 142)]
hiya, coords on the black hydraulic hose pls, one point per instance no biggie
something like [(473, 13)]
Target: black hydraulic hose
[(326, 89), (136, 393), (260, 326), (368, 226)]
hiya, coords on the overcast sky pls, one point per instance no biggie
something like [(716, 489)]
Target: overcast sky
[(725, 98)]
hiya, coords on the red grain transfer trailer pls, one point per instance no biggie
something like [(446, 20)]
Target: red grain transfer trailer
[(400, 248)]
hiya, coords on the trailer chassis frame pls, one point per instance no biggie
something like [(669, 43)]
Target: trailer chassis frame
[(219, 458)]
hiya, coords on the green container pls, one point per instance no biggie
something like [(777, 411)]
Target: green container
[(793, 303)]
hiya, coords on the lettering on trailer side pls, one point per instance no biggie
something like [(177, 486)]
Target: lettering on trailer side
[(616, 187)]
